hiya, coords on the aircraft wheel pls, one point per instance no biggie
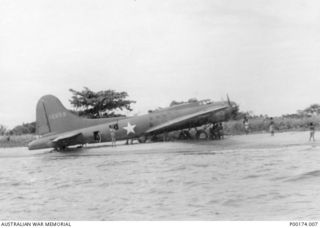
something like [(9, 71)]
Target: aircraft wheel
[(202, 134), (142, 139), (61, 148), (184, 135)]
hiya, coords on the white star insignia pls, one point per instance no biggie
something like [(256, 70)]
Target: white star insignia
[(130, 128)]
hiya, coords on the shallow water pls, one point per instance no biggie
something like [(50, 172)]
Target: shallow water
[(161, 181)]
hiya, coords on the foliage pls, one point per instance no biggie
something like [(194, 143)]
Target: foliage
[(312, 110), (261, 124), (100, 104), (16, 140), (3, 129), (25, 128)]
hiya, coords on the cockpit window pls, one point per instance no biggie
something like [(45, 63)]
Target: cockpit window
[(205, 102)]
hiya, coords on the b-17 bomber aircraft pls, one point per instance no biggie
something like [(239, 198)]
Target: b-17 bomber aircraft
[(59, 128)]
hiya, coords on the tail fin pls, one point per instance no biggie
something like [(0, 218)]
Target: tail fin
[(53, 117)]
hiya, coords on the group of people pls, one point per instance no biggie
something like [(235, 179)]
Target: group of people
[(272, 128), (216, 131), (113, 129)]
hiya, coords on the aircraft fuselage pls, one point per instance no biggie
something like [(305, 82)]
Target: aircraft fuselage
[(135, 127)]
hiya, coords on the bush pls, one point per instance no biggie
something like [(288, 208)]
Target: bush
[(260, 124)]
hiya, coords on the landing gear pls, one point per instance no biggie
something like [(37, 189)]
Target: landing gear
[(202, 135), (97, 136), (185, 135), (216, 131), (60, 148), (131, 141), (165, 137), (142, 139)]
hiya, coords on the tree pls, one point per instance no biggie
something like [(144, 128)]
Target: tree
[(100, 104), (313, 109), (25, 128), (3, 129)]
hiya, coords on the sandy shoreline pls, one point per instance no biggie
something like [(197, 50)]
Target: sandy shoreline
[(251, 141), (254, 140), (265, 140)]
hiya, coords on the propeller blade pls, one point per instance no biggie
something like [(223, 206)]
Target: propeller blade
[(229, 102)]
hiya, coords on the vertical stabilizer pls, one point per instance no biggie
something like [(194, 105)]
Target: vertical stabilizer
[(53, 117)]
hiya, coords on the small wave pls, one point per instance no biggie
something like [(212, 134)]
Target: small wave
[(63, 186), (15, 184), (114, 163), (278, 196), (191, 183), (252, 176), (124, 182), (197, 153), (279, 178), (200, 165), (175, 169), (304, 176), (231, 203), (19, 198), (214, 201), (311, 148), (111, 183), (195, 205), (259, 196)]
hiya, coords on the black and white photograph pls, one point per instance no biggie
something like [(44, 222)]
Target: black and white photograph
[(171, 110)]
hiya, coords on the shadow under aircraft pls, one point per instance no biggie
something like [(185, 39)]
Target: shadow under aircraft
[(59, 128)]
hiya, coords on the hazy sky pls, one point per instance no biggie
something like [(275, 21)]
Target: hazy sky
[(264, 54)]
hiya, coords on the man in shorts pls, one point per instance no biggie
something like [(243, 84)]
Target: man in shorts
[(312, 131), (271, 127)]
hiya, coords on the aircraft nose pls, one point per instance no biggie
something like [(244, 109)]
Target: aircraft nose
[(234, 105), (234, 109)]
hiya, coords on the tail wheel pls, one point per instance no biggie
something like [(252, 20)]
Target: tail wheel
[(60, 148), (202, 134), (142, 139)]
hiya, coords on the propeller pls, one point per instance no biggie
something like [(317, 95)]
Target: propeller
[(234, 106), (229, 102)]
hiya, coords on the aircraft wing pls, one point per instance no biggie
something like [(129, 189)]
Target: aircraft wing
[(67, 138), (184, 119)]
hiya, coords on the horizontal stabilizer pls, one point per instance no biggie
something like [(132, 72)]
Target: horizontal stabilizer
[(66, 136)]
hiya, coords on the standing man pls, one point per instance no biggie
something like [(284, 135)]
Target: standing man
[(220, 131), (246, 125), (271, 127), (113, 135), (312, 131)]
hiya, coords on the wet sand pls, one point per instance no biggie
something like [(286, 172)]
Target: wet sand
[(250, 141), (265, 140)]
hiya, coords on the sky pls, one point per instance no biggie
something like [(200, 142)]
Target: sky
[(264, 53)]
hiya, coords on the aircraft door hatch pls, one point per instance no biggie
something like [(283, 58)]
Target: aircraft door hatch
[(97, 136), (150, 121)]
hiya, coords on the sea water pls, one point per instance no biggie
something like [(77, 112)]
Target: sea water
[(161, 181)]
